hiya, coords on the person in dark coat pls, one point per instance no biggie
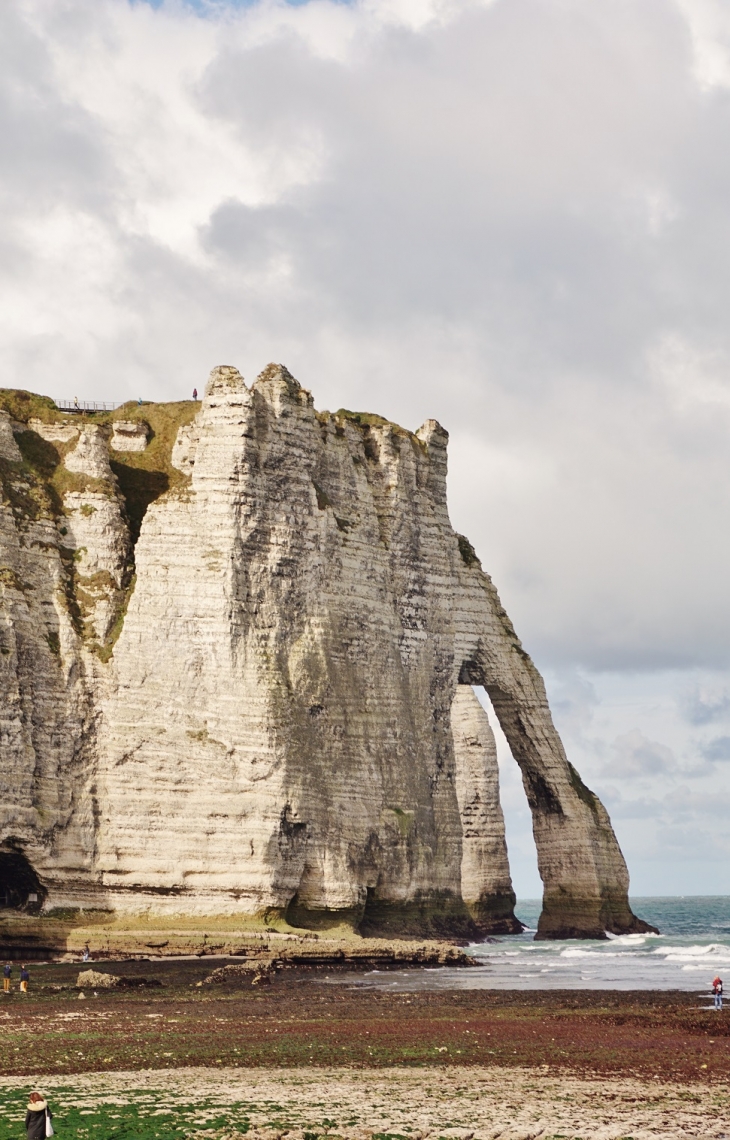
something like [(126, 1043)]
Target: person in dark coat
[(24, 979), (35, 1117), (7, 975)]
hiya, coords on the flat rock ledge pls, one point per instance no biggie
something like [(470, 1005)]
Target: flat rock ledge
[(55, 938)]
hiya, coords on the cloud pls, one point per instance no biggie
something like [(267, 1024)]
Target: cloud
[(471, 211), (717, 749), (701, 706), (573, 700), (636, 756), (509, 215)]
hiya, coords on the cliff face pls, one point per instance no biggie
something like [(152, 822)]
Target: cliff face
[(266, 706)]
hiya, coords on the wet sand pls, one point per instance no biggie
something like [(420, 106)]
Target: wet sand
[(319, 1017)]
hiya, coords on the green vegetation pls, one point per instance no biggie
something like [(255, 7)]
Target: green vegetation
[(404, 820), (10, 579), (367, 420), (467, 552), (105, 651), (36, 488), (323, 499), (304, 1018), (163, 1114), (23, 406), (144, 476), (48, 479), (139, 1114), (54, 643), (583, 793)]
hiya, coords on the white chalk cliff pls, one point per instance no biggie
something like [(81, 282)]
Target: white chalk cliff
[(264, 705)]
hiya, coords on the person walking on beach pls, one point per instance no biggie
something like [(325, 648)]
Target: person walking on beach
[(24, 979), (7, 974), (717, 991), (38, 1118)]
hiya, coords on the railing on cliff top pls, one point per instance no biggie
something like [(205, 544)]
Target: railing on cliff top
[(85, 406)]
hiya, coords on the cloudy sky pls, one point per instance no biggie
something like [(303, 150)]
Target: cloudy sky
[(511, 215)]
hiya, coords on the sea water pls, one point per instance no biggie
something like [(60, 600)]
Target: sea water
[(693, 946)]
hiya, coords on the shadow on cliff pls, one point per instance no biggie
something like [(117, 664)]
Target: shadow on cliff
[(144, 476), (441, 916), (140, 488)]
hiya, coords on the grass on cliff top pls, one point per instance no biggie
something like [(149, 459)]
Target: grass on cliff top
[(24, 406), (144, 476), (370, 419)]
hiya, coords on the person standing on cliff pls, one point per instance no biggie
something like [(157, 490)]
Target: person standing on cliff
[(7, 974), (38, 1118), (717, 991), (195, 393), (24, 979)]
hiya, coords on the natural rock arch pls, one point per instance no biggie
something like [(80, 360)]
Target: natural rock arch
[(269, 717)]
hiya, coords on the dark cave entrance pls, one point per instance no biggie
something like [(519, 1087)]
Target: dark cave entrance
[(20, 887)]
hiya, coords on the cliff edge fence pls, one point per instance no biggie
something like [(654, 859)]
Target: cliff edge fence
[(238, 641)]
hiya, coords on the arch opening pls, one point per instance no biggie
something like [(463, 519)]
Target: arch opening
[(518, 823), (486, 884)]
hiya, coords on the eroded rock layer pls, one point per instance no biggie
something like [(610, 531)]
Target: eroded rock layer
[(236, 669)]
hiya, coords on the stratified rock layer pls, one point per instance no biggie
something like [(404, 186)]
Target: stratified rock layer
[(284, 725)]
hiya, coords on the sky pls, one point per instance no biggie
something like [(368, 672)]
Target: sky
[(509, 215)]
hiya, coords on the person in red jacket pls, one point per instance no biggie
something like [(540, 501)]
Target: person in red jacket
[(717, 991)]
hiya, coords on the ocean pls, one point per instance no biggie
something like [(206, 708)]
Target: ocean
[(693, 946)]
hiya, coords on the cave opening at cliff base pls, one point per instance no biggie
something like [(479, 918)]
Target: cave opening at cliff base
[(20, 887)]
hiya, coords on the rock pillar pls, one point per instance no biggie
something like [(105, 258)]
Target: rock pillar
[(585, 879), (486, 885)]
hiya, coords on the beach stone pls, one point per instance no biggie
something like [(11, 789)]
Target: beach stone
[(252, 971), (95, 979)]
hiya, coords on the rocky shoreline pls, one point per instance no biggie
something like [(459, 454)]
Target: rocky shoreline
[(56, 939), (483, 1103)]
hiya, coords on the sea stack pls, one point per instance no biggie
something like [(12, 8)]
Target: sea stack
[(238, 642)]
